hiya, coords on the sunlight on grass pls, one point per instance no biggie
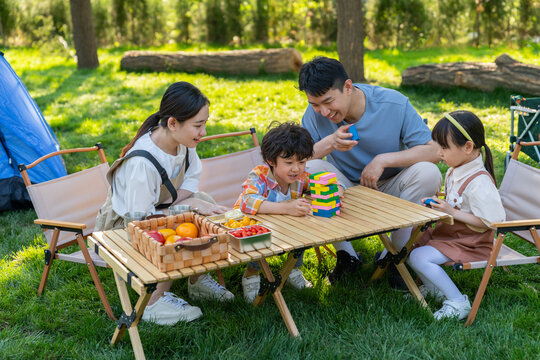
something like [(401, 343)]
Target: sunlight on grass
[(108, 105)]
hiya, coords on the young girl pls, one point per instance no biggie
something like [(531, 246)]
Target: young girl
[(166, 140), (473, 201)]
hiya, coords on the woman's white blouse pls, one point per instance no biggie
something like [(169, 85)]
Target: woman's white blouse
[(136, 183)]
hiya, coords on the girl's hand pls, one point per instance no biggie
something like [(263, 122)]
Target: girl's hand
[(427, 201), (441, 205), (299, 207)]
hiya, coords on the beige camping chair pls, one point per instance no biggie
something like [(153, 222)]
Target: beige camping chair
[(67, 208), (222, 176), (520, 194)]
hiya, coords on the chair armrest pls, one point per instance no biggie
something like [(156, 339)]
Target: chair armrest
[(515, 223), (64, 225)]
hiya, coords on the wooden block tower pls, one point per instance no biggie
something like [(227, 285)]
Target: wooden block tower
[(324, 191)]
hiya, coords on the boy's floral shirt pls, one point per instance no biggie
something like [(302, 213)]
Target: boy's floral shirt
[(261, 185)]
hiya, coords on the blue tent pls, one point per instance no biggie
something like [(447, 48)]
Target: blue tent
[(24, 137)]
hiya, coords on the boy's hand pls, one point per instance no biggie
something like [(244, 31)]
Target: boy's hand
[(299, 207), (341, 193)]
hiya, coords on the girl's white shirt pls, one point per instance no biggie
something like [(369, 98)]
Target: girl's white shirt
[(136, 184), (480, 197)]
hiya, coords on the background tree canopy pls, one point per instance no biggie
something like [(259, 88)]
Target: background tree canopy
[(399, 23)]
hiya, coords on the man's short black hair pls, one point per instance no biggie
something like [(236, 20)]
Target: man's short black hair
[(286, 140), (320, 75)]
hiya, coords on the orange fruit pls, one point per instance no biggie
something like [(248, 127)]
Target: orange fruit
[(172, 239), (187, 230), (167, 232)]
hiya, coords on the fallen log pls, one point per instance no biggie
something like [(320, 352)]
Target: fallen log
[(505, 73), (270, 61)]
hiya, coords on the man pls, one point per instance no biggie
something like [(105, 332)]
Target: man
[(394, 153)]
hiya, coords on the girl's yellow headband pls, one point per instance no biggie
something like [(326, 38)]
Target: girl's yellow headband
[(459, 127)]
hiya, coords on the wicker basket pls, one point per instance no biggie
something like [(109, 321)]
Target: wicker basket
[(179, 255)]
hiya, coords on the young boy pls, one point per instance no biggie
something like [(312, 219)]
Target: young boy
[(276, 188)]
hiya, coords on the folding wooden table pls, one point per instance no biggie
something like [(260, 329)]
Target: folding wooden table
[(366, 212)]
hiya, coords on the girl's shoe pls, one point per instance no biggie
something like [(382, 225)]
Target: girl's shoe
[(452, 309)]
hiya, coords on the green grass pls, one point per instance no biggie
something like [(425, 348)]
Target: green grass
[(350, 320)]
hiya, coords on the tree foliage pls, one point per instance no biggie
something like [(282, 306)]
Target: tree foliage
[(394, 23), (401, 23)]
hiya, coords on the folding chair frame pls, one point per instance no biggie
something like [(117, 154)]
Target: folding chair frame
[(517, 138), (76, 228)]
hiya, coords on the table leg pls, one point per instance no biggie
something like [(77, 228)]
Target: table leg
[(278, 297), (284, 275), (411, 285), (379, 271), (130, 319)]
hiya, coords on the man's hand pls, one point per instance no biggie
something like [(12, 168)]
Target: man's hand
[(372, 173), (299, 207), (341, 140)]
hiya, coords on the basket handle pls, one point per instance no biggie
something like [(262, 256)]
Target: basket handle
[(199, 247)]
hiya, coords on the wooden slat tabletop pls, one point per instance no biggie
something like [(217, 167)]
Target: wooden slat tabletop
[(365, 212)]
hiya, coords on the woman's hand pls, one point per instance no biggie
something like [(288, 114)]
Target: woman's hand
[(204, 207), (207, 208)]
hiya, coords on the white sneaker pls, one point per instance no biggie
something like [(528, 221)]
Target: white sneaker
[(297, 280), (251, 286), (207, 288), (169, 309), (425, 291), (451, 309)]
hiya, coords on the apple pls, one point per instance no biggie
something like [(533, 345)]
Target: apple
[(184, 238), (157, 236)]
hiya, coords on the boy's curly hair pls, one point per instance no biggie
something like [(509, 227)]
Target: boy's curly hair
[(286, 140)]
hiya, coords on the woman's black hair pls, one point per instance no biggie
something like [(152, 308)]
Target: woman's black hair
[(320, 75), (181, 101), (445, 131), (286, 140)]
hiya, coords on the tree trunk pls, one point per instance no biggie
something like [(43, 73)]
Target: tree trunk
[(478, 8), (505, 73), (350, 39), (2, 34), (83, 34), (270, 61), (261, 21)]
